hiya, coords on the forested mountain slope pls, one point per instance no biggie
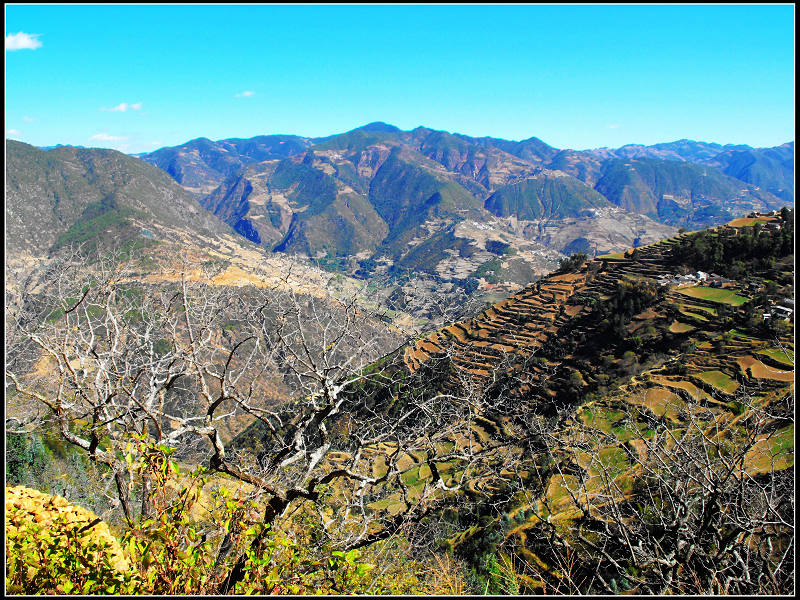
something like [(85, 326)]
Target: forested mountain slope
[(341, 196)]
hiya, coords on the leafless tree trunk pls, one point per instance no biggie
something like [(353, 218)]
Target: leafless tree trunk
[(707, 507), (115, 360)]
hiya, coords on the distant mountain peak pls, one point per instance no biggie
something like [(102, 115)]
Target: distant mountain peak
[(46, 148), (379, 126), (200, 142)]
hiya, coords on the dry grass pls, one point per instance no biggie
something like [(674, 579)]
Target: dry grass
[(694, 391), (679, 327), (759, 370), (661, 401)]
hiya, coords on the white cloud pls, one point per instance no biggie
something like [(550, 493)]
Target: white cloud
[(122, 107), (28, 119), (13, 132), (245, 94), (119, 108), (614, 126), (23, 41), (104, 137)]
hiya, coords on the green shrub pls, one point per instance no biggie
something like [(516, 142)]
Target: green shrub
[(195, 534), (573, 263), (60, 557)]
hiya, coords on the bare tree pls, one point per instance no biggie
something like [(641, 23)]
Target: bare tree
[(706, 506), (187, 365)]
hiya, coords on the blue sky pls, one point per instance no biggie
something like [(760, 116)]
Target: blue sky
[(136, 78)]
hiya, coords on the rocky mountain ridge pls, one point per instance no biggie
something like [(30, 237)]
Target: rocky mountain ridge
[(377, 192)]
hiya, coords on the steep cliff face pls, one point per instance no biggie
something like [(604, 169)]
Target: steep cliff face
[(229, 202)]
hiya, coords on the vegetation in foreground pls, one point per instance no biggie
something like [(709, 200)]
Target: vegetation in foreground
[(587, 495), (195, 532)]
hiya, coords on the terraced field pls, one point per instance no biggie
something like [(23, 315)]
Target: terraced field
[(520, 325), (696, 365), (720, 295), (583, 377), (514, 330)]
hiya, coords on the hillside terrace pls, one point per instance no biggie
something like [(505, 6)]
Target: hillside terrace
[(512, 331)]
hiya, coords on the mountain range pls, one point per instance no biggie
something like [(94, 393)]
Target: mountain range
[(95, 201), (379, 200), (69, 194), (568, 401), (383, 193)]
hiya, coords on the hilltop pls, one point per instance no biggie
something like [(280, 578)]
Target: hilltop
[(69, 195)]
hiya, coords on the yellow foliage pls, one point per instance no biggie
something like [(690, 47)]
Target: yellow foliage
[(28, 505)]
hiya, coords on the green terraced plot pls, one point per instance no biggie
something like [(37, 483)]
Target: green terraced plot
[(612, 421), (611, 462), (773, 452), (689, 313), (600, 417), (719, 380), (785, 357), (738, 333), (414, 476), (720, 295), (708, 309)]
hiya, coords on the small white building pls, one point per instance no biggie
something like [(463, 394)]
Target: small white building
[(782, 312)]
